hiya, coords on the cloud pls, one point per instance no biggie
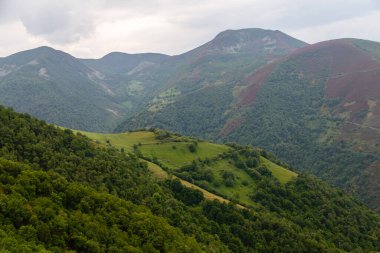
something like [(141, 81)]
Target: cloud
[(301, 13), (93, 28), (58, 22), (364, 27), (18, 39)]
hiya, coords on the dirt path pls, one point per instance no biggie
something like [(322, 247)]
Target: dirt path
[(161, 174), (359, 125)]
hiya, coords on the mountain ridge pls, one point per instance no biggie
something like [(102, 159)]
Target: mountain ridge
[(237, 87), (323, 91)]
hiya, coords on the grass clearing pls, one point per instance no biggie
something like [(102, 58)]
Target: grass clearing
[(283, 175), (123, 140), (243, 187), (177, 154), (157, 171), (161, 174)]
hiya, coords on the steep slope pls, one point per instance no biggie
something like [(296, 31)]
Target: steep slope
[(134, 78), (58, 88), (228, 171), (317, 109), (246, 173), (200, 82), (60, 192)]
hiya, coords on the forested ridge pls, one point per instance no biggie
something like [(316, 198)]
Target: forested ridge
[(62, 192), (315, 109)]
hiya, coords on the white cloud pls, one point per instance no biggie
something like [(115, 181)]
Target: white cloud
[(93, 28), (15, 38)]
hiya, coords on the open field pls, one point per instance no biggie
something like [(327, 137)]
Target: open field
[(123, 140), (243, 186), (174, 153), (159, 173), (177, 154), (283, 175)]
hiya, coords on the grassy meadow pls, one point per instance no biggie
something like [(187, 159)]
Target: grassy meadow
[(174, 153)]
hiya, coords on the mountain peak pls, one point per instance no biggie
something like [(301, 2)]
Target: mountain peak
[(45, 48), (244, 32), (251, 41), (38, 54)]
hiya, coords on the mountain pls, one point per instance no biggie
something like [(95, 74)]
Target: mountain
[(318, 108), (62, 192), (122, 63), (248, 41), (97, 94), (315, 108), (58, 88), (199, 84)]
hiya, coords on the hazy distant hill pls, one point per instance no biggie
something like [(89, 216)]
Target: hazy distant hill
[(122, 63), (56, 87)]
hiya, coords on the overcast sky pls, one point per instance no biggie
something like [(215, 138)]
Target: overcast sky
[(93, 28)]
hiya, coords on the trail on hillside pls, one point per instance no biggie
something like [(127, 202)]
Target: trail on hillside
[(360, 125)]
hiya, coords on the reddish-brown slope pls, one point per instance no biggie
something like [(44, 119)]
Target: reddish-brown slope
[(248, 95), (353, 75), (350, 75), (231, 125)]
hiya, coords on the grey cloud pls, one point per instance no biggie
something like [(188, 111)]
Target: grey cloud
[(58, 22), (5, 14), (278, 14), (140, 25), (302, 13)]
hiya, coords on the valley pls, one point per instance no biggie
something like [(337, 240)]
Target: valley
[(189, 126), (314, 106)]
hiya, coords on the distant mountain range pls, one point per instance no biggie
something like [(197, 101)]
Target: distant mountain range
[(315, 106)]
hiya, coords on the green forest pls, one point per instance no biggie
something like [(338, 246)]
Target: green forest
[(62, 192)]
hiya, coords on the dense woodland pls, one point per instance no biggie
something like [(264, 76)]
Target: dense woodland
[(62, 192), (287, 120)]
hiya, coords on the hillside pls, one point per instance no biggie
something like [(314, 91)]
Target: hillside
[(330, 124), (97, 94), (224, 170), (197, 86), (56, 87), (62, 192), (315, 108)]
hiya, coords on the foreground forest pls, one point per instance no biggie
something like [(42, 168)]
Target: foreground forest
[(61, 191)]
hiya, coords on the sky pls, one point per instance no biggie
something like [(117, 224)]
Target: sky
[(93, 28)]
